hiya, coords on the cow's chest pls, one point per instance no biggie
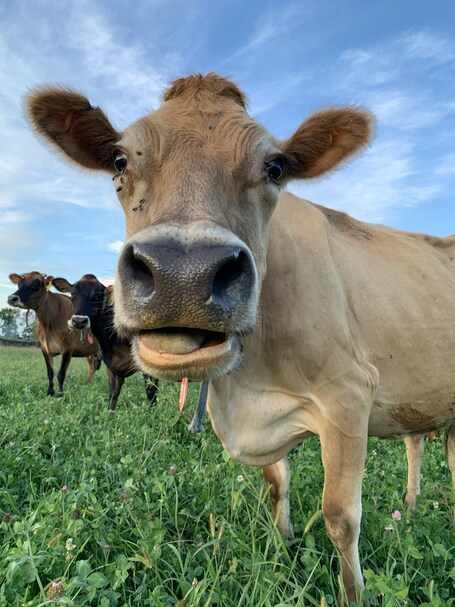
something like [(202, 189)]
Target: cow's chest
[(53, 344), (258, 427)]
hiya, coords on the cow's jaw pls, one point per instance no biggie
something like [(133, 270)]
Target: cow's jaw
[(176, 353)]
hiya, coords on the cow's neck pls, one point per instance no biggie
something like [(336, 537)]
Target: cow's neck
[(102, 328), (43, 310)]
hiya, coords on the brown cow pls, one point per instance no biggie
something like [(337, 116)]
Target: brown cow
[(52, 314), (306, 321)]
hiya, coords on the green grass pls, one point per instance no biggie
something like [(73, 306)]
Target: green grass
[(130, 509)]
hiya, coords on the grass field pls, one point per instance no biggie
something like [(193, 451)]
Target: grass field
[(130, 509)]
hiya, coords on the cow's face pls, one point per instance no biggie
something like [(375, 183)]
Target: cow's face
[(88, 297), (31, 290), (198, 180)]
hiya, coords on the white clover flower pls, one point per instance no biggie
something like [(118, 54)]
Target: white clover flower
[(69, 545), (240, 478)]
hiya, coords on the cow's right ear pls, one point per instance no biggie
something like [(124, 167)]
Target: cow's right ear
[(109, 295), (62, 285), (15, 278), (66, 119)]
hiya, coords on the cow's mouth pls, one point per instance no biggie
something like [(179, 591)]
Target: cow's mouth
[(175, 352)]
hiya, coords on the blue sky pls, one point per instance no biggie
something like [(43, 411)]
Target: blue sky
[(290, 57)]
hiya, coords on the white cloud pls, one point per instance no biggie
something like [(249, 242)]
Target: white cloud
[(95, 55), (407, 110), (114, 66), (411, 104), (272, 24), (106, 281), (362, 68), (384, 179), (115, 246), (446, 165), (5, 201), (15, 217), (267, 95), (425, 44)]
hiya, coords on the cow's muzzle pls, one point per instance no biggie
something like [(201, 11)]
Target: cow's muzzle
[(79, 322), (15, 300), (186, 299)]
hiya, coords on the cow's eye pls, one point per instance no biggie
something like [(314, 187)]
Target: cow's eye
[(274, 169), (120, 161)]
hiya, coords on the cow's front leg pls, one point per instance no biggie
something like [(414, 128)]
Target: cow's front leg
[(343, 458), (115, 386), (151, 388), (277, 478), (50, 371), (66, 359)]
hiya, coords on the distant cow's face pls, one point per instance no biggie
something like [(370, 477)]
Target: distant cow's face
[(88, 298), (31, 289), (198, 180)]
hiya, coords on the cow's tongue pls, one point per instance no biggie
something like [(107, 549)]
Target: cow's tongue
[(90, 337), (173, 341)]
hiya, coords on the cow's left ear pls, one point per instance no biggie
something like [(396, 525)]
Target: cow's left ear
[(15, 278), (61, 284), (67, 120), (326, 139)]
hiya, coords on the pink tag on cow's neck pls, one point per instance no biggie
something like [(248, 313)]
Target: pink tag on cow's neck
[(183, 393), (89, 337)]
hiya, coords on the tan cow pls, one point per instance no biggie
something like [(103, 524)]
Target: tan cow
[(53, 311), (306, 321)]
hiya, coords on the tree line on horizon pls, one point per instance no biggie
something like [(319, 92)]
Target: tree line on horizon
[(13, 325)]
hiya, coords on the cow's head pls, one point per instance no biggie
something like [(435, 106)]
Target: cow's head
[(31, 290), (198, 180), (89, 299)]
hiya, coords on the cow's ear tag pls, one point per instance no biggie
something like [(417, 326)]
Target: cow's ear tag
[(48, 282), (183, 393)]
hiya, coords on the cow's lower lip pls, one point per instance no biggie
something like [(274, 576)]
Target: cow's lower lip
[(197, 354)]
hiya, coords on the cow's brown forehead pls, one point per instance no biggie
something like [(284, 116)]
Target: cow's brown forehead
[(32, 276), (89, 277)]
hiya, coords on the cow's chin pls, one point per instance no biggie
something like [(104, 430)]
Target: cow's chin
[(175, 353)]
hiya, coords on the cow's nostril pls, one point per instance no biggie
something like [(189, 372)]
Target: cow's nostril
[(230, 274), (141, 273)]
